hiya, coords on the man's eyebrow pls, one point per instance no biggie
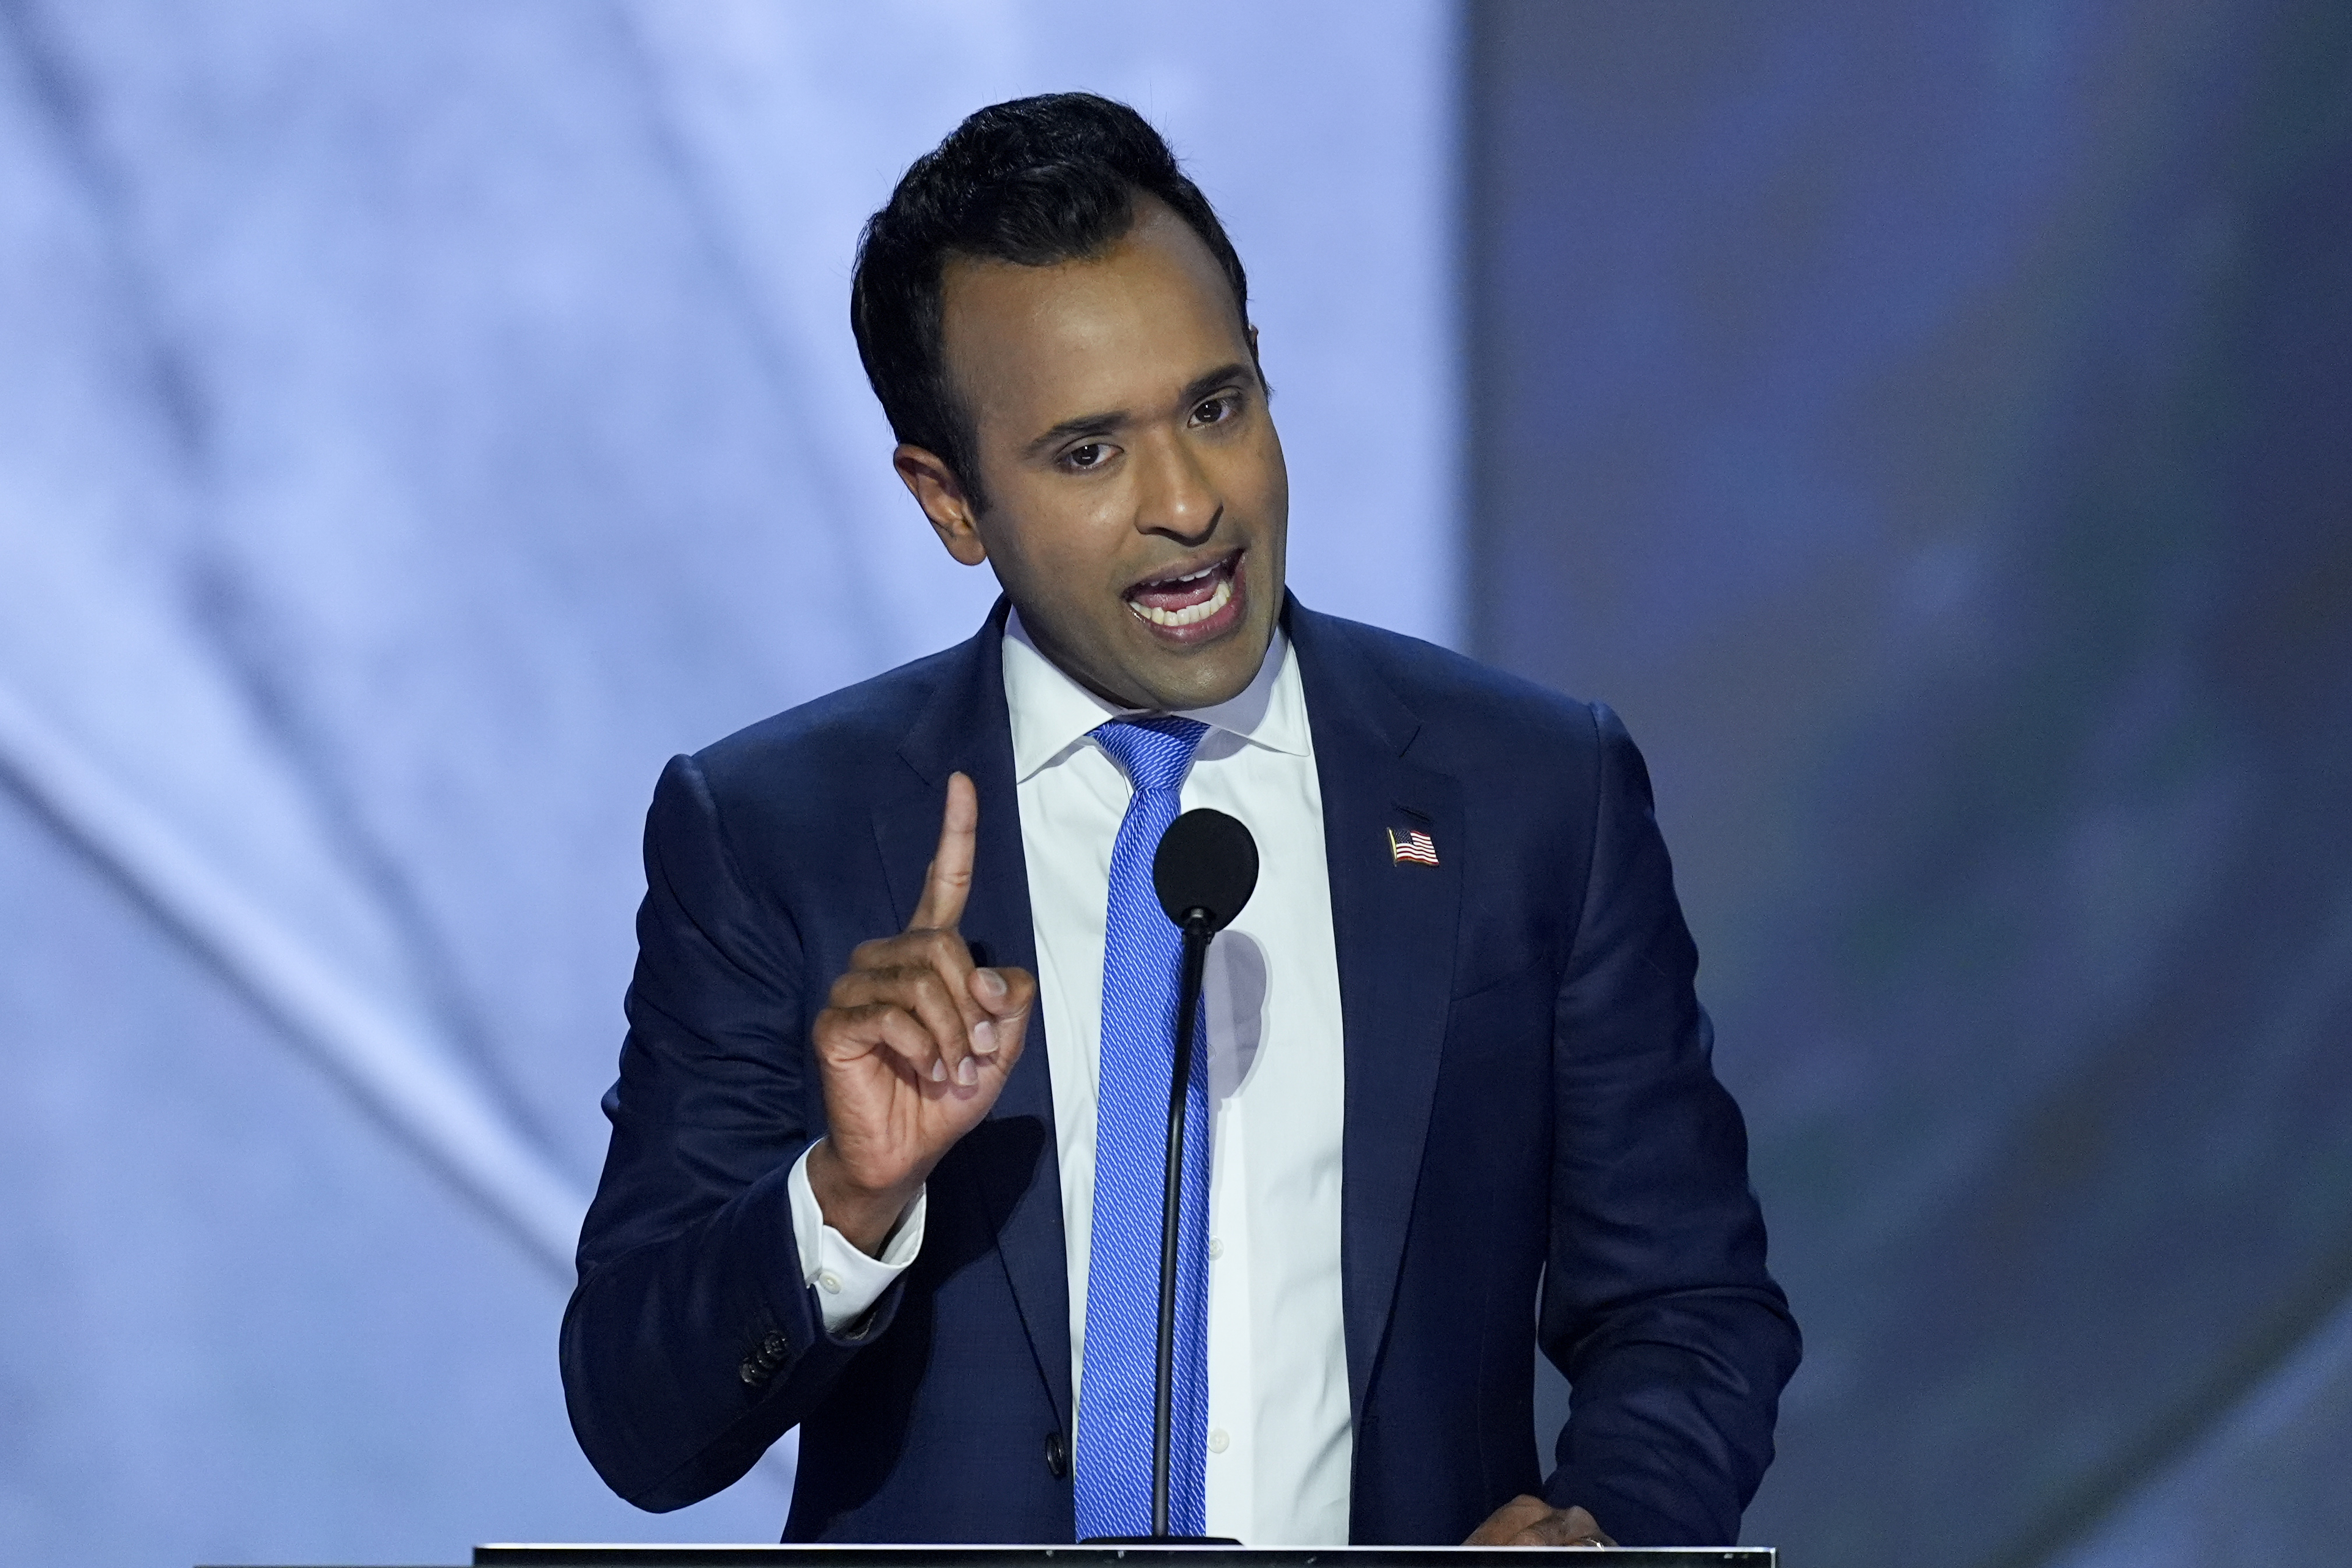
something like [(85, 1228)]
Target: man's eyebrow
[(1084, 425), (1224, 376), (1110, 421)]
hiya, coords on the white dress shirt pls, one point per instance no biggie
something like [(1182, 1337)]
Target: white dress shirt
[(1279, 1439)]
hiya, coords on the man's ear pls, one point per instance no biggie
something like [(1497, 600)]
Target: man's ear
[(943, 499)]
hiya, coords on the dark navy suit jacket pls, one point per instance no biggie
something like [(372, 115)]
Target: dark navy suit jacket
[(1528, 1102)]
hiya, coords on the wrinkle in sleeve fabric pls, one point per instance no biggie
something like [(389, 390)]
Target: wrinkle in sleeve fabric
[(693, 1340), (1656, 1302)]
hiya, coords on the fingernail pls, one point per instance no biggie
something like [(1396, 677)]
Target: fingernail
[(991, 984), (984, 1038), (939, 1072), (967, 1072)]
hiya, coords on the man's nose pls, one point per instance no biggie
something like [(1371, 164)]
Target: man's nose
[(1175, 496)]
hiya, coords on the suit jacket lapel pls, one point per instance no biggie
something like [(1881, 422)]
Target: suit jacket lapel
[(1393, 924), (965, 727)]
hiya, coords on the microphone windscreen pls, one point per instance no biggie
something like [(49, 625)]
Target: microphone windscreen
[(1206, 861)]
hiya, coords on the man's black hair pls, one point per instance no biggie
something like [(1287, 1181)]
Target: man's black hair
[(1034, 181)]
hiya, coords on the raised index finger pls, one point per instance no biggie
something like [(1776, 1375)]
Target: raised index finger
[(948, 882)]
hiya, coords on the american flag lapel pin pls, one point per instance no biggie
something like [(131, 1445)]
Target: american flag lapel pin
[(1410, 845)]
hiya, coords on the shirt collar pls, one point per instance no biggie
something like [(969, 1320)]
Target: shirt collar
[(1052, 714)]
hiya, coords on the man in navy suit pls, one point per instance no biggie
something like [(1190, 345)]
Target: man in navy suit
[(1456, 1098)]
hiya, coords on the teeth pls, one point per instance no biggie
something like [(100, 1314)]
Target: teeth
[(1194, 577), (1217, 600)]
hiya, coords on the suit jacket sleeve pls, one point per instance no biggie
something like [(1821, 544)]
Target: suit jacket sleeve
[(692, 1341), (1656, 1304)]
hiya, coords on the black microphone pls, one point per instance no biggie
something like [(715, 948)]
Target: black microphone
[(1204, 871)]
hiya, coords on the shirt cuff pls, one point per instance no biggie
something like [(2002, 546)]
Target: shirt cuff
[(849, 1282)]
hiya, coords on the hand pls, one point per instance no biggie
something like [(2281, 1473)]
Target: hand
[(914, 1046), (1531, 1521)]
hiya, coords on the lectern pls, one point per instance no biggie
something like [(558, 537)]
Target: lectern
[(520, 1556), (635, 1557)]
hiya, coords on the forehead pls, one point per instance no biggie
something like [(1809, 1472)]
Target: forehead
[(1038, 344)]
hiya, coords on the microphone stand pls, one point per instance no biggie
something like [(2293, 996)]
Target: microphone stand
[(1203, 871), (1198, 930), (1197, 934)]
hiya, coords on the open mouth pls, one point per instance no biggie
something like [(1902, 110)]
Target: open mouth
[(1192, 603)]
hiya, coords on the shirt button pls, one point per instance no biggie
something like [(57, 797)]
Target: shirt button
[(829, 1283), (1216, 1247), (1218, 1441)]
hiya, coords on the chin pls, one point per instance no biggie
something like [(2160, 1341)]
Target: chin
[(1217, 673)]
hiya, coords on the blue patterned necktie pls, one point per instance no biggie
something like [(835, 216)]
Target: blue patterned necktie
[(1143, 956)]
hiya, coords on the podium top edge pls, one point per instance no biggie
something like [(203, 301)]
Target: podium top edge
[(797, 1555), (634, 1554)]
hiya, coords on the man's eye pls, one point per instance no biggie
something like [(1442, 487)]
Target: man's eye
[(1093, 455), (1216, 411)]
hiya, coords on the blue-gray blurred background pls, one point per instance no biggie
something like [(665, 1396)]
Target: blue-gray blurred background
[(1931, 427)]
